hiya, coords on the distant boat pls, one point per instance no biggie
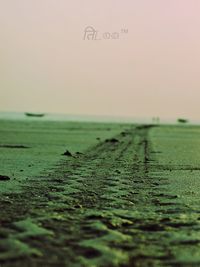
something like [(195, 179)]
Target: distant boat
[(180, 120), (34, 114)]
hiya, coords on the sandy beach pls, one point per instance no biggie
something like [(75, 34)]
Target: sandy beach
[(121, 195), (99, 133)]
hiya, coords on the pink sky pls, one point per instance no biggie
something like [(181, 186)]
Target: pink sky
[(153, 70)]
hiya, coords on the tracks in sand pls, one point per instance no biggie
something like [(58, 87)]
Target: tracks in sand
[(107, 207)]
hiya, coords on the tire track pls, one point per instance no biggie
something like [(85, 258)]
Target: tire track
[(108, 207)]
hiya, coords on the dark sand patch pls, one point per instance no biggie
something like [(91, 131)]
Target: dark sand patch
[(14, 146), (4, 178)]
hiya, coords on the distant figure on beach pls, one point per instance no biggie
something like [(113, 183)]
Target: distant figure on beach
[(156, 120)]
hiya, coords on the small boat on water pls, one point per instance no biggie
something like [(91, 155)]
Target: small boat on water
[(34, 114)]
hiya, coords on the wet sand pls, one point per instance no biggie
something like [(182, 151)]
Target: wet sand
[(130, 197)]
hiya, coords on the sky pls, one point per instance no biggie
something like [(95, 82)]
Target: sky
[(150, 69)]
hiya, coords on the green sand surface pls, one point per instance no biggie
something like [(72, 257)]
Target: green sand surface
[(46, 142), (179, 161), (133, 200)]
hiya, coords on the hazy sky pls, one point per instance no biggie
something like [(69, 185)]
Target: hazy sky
[(154, 69)]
